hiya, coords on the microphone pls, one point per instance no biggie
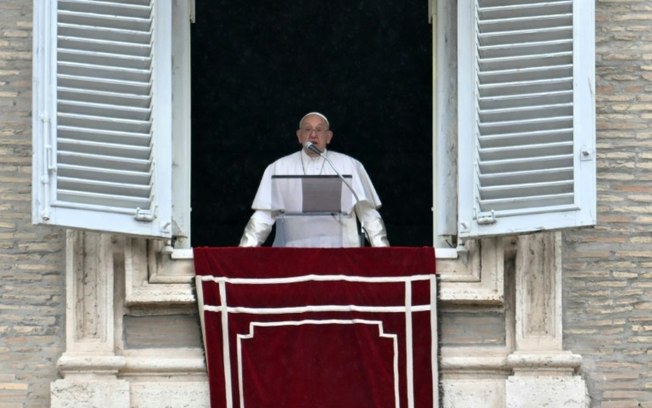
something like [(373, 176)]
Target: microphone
[(313, 148)]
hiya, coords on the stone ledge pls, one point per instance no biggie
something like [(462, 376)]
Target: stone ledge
[(90, 364), (552, 363), (187, 362)]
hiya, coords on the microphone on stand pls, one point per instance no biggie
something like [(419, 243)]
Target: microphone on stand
[(313, 148)]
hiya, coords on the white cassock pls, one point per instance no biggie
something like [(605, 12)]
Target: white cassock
[(299, 163)]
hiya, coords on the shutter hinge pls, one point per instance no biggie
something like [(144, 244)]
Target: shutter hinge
[(487, 219), (586, 153), (144, 215), (45, 215), (49, 157)]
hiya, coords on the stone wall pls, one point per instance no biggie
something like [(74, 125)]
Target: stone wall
[(608, 269), (32, 290)]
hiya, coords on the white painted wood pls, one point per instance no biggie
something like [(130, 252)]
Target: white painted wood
[(526, 117), (103, 116), (182, 13), (445, 125)]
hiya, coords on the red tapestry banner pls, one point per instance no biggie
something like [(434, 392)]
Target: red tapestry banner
[(303, 327)]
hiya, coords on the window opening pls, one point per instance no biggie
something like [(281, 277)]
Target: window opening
[(258, 66)]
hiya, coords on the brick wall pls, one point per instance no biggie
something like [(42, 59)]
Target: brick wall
[(608, 269), (32, 298)]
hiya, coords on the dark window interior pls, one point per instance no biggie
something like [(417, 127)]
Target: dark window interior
[(259, 65)]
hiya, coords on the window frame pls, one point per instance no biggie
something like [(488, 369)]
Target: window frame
[(451, 143)]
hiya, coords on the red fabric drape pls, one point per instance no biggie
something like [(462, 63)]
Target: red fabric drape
[(300, 327), (267, 262)]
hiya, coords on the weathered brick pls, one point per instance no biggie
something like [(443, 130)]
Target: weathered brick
[(32, 306)]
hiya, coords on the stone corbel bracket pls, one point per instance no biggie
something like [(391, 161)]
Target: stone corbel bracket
[(477, 275), (153, 277)]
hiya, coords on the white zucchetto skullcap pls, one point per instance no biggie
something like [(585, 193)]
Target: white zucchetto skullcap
[(315, 114)]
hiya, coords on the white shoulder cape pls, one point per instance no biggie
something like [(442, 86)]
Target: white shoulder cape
[(295, 164)]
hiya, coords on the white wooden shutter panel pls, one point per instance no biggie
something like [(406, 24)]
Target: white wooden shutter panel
[(526, 116), (102, 117)]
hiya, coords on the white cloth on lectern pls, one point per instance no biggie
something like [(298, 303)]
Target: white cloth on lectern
[(300, 163)]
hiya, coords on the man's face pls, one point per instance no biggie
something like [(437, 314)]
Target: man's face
[(314, 129)]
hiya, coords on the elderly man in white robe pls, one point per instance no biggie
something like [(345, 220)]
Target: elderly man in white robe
[(314, 159)]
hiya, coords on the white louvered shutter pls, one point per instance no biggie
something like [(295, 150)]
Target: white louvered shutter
[(102, 115), (526, 116)]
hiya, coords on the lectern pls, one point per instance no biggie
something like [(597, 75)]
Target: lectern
[(312, 211)]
